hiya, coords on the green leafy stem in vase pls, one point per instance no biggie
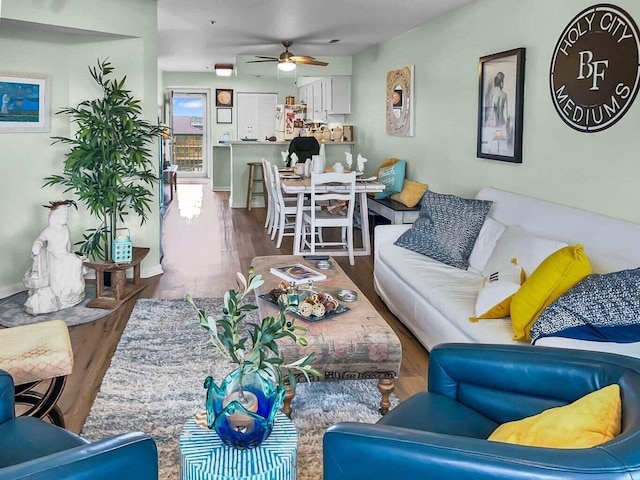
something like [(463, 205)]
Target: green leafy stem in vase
[(254, 346)]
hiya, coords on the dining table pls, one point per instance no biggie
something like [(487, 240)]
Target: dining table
[(302, 187)]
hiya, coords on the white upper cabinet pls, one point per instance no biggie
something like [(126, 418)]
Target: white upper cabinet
[(328, 96), (336, 94)]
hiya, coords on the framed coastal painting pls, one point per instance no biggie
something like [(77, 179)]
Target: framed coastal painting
[(500, 106), (24, 102)]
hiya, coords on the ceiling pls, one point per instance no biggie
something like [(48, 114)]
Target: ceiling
[(188, 42)]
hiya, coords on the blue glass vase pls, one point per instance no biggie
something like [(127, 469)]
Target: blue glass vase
[(235, 421)]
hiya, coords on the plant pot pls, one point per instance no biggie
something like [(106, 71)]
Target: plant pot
[(236, 425)]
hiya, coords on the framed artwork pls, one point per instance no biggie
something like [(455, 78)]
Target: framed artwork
[(24, 102), (224, 97), (400, 111), (500, 106), (223, 115)]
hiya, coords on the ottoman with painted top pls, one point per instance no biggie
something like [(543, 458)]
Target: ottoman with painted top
[(357, 344), (203, 456)]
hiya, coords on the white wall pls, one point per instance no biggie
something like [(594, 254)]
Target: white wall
[(597, 172), (27, 158)]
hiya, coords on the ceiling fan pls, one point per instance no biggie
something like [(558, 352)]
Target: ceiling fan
[(287, 61)]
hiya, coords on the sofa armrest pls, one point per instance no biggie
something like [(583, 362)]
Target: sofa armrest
[(510, 382), (384, 234), (7, 397), (356, 451), (131, 456)]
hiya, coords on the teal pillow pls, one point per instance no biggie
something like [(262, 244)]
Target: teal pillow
[(392, 178)]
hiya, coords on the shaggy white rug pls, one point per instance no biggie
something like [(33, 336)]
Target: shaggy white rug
[(155, 383)]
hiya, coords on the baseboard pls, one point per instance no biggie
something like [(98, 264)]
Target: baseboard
[(11, 289)]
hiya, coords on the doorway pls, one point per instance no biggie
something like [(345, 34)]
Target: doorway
[(189, 120)]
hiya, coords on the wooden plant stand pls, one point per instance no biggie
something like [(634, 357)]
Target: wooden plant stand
[(121, 290)]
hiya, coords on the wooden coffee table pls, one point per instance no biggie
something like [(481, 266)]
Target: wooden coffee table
[(357, 344)]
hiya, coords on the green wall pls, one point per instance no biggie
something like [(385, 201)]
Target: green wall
[(56, 48), (597, 172)]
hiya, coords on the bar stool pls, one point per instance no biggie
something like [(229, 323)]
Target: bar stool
[(253, 180)]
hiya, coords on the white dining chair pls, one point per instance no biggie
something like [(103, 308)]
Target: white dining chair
[(266, 168), (327, 189), (284, 210)]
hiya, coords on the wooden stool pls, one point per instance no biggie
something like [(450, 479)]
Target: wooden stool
[(253, 181), (34, 354)]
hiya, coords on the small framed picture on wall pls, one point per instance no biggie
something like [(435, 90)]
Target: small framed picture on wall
[(224, 97), (500, 106), (223, 115)]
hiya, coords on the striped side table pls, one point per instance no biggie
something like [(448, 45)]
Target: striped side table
[(203, 456)]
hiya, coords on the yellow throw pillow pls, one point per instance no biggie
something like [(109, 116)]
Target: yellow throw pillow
[(555, 275), (591, 420), (411, 193), (494, 298)]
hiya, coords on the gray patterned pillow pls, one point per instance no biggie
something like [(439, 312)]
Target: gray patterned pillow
[(446, 228), (601, 307)]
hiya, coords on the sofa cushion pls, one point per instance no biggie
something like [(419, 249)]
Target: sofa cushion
[(392, 177), (435, 413), (589, 421), (555, 275), (602, 308), (489, 235), (528, 249), (494, 299), (411, 193), (446, 228)]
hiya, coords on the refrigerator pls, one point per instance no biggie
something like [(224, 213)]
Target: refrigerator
[(290, 121)]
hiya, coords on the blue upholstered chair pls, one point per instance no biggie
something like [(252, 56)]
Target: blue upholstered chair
[(441, 433), (33, 449)]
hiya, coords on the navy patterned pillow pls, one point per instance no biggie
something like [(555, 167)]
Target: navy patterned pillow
[(601, 307), (446, 228)]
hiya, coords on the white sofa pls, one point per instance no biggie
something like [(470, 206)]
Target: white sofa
[(435, 301)]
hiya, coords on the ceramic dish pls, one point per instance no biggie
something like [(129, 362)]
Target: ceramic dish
[(249, 139), (290, 176), (347, 295), (324, 264)]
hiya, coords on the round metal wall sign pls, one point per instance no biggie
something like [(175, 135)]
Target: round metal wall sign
[(594, 70)]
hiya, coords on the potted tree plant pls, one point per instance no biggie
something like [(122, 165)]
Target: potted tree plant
[(109, 166), (243, 407)]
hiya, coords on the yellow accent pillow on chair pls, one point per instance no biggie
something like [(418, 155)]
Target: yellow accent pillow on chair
[(411, 193), (589, 421), (555, 275)]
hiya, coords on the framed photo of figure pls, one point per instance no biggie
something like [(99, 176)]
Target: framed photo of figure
[(500, 106)]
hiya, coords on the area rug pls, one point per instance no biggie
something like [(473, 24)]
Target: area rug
[(12, 313), (155, 384)]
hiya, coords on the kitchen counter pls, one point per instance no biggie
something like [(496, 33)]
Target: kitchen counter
[(240, 153)]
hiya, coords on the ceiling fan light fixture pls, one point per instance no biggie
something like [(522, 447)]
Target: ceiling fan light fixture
[(286, 66), (224, 69)]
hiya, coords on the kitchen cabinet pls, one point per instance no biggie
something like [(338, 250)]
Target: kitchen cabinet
[(327, 96)]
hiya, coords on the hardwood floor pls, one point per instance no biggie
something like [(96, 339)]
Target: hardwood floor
[(205, 243)]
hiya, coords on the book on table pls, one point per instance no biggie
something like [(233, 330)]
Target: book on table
[(297, 273)]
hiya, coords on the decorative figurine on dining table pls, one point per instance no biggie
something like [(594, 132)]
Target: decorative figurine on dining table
[(56, 278), (348, 160), (361, 161)]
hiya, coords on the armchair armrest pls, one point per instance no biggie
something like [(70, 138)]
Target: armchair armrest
[(356, 451), (131, 456), (7, 399), (389, 233)]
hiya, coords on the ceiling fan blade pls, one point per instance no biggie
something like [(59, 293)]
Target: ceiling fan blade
[(311, 61), (262, 61), (263, 56)]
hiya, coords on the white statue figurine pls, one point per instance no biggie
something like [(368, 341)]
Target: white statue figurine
[(348, 160), (56, 278), (361, 161)]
